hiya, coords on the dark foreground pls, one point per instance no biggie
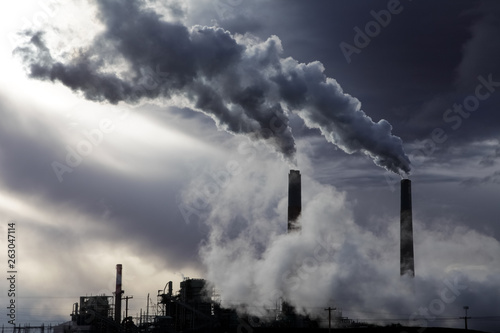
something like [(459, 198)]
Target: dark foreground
[(398, 329)]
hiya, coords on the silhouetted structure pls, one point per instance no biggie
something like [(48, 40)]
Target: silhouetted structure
[(190, 310), (294, 200), (118, 294), (94, 314), (407, 258)]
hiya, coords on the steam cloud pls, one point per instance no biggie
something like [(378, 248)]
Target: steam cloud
[(334, 260), (242, 83)]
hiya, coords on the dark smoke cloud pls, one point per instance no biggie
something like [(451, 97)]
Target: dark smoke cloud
[(242, 83)]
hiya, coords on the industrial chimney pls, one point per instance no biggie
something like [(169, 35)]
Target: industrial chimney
[(407, 259), (294, 200), (118, 294)]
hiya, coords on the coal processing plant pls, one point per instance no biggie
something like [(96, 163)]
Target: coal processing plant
[(197, 308), (193, 309)]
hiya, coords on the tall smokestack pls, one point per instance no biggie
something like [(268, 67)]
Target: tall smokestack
[(407, 259), (118, 294), (294, 200)]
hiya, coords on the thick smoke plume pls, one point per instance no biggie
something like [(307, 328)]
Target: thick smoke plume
[(243, 83), (334, 260)]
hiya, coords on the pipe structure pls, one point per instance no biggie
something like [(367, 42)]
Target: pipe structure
[(407, 256)]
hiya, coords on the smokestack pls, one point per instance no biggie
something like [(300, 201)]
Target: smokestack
[(407, 259), (294, 200), (118, 294)]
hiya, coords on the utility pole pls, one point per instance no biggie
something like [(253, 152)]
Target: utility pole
[(329, 309), (465, 318), (126, 304)]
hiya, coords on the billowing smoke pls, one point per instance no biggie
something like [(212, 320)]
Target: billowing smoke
[(243, 83), (334, 261)]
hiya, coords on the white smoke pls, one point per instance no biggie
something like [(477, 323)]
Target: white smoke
[(333, 261)]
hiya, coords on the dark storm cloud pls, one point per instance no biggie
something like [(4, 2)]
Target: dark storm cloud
[(419, 65), (492, 179), (241, 82), (490, 158), (480, 52), (420, 72), (443, 50)]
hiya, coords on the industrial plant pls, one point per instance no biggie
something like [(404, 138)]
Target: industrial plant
[(195, 307), (190, 310)]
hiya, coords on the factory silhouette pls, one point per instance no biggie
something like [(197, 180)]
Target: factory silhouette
[(195, 308)]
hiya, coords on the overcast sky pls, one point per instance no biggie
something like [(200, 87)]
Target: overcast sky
[(160, 135)]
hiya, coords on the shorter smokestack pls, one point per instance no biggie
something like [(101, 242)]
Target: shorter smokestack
[(294, 200), (407, 259), (118, 294)]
